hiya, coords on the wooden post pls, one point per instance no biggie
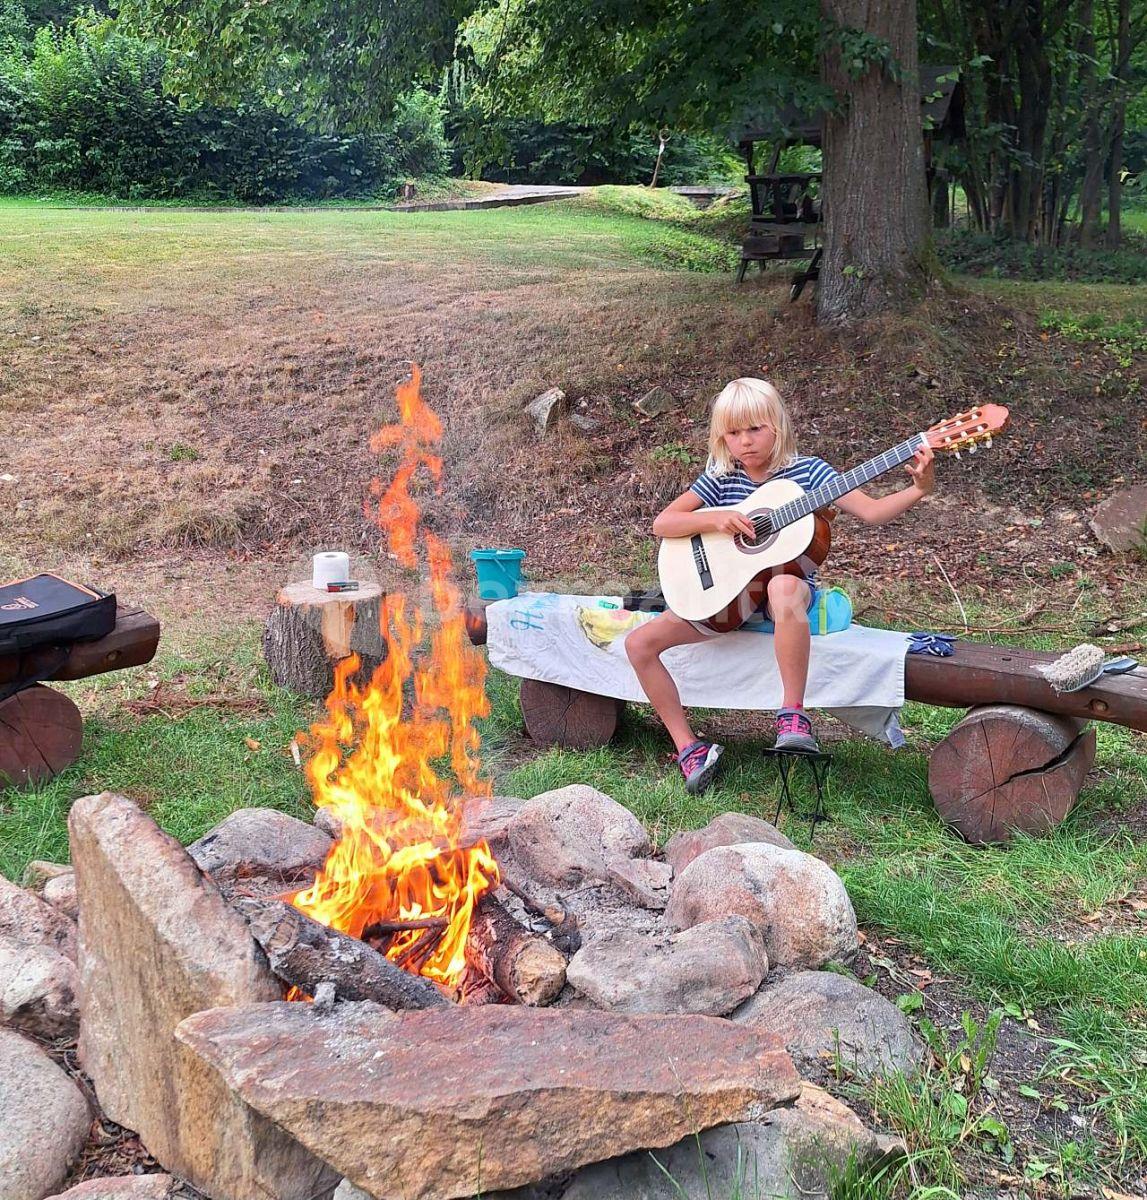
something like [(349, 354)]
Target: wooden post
[(1005, 768), (41, 732), (562, 716), (310, 631)]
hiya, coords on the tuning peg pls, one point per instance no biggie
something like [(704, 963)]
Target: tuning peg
[(958, 455), (973, 448), (988, 440)]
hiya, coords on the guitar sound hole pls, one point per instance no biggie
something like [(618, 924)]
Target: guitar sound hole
[(766, 535)]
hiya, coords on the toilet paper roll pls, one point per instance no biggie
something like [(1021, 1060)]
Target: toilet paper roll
[(331, 566)]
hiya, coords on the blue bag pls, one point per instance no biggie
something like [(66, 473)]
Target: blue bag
[(831, 612)]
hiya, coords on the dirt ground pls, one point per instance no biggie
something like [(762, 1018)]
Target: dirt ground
[(193, 415)]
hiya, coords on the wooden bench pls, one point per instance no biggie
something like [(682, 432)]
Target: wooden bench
[(1016, 761), (41, 730)]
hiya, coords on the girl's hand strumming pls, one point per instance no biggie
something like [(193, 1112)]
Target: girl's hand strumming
[(732, 522), (921, 470)]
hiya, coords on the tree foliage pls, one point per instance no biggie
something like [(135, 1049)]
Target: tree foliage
[(85, 109)]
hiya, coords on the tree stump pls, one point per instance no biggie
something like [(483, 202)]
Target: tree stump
[(41, 732), (310, 631), (562, 716), (1005, 768)]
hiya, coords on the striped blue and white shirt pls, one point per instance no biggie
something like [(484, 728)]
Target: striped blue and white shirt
[(719, 491)]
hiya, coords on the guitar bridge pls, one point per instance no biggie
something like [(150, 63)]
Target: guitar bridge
[(701, 562)]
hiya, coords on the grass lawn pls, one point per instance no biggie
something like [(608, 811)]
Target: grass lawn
[(195, 390)]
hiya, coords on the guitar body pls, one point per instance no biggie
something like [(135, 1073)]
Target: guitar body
[(722, 579)]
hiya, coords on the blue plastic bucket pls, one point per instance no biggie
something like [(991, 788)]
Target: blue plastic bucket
[(499, 572)]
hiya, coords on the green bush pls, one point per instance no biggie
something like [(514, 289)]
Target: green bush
[(83, 109), (984, 254)]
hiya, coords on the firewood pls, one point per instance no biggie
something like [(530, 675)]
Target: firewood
[(525, 966), (304, 953)]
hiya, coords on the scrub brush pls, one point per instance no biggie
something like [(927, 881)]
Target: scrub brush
[(1081, 666)]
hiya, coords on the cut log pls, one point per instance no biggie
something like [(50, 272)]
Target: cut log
[(985, 674), (1004, 768), (525, 966), (563, 716), (310, 631), (41, 732), (305, 954)]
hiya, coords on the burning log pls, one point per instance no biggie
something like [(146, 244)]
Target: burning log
[(525, 966), (306, 954)]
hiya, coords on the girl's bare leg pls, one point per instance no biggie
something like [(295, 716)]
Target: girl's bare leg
[(788, 606), (644, 646)]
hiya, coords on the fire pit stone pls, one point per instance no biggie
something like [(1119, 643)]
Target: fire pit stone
[(708, 969), (157, 943), (727, 829), (575, 834), (797, 900), (261, 844), (476, 1099)]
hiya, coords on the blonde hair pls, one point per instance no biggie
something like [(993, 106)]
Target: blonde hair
[(742, 404)]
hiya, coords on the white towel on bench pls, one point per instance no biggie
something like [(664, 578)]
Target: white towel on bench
[(857, 675)]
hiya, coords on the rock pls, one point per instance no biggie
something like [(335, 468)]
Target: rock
[(708, 969), (489, 817), (38, 872), (792, 1155), (481, 1098), (819, 1013), (643, 880), (326, 820), (38, 988), (262, 843), (60, 893), (584, 423), (656, 402), (45, 1123), (121, 1187), (157, 943), (729, 829), (574, 833), (546, 409), (1120, 522), (797, 901), (347, 1191), (28, 921)]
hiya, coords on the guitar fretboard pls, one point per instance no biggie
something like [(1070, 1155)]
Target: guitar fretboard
[(857, 477)]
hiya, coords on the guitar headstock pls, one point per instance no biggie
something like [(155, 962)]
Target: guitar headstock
[(966, 430)]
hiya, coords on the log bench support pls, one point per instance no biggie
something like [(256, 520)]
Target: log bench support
[(1005, 769)]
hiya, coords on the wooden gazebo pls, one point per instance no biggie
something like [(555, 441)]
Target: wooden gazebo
[(786, 207)]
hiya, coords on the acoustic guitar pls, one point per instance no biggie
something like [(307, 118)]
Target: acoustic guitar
[(721, 578)]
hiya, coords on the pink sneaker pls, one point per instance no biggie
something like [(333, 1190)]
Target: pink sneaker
[(698, 764), (794, 732)]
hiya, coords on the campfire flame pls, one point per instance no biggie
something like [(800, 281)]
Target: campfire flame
[(378, 758)]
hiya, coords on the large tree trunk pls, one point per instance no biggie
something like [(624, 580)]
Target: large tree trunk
[(876, 253), (1118, 124), (1091, 189)]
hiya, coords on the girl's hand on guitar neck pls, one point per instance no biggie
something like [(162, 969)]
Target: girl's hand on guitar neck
[(732, 522), (921, 470)]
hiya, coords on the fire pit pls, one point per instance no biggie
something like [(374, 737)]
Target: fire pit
[(437, 918)]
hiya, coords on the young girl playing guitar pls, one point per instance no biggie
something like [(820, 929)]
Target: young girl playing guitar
[(751, 441)]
